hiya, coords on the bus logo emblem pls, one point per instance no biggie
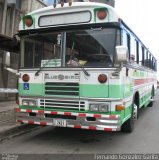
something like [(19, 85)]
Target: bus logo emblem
[(61, 77)]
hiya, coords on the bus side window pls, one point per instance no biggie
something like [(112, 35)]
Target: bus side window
[(150, 61), (146, 62), (126, 40), (154, 63), (137, 51), (128, 45), (134, 50), (142, 53)]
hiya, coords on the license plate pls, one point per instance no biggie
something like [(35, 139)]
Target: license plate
[(60, 122)]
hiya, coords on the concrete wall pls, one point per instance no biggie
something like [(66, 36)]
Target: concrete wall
[(31, 5), (10, 15)]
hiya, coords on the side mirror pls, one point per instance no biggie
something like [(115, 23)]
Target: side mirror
[(6, 61), (122, 55)]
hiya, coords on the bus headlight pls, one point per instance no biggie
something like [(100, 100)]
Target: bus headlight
[(103, 107), (30, 103), (25, 103), (93, 107), (99, 107)]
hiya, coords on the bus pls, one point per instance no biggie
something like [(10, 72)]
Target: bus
[(82, 67)]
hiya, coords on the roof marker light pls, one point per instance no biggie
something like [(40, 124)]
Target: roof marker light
[(102, 14), (28, 21)]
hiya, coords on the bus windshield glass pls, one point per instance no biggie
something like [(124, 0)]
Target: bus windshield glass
[(89, 48)]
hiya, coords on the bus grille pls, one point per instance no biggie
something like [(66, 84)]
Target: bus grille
[(62, 89), (62, 104)]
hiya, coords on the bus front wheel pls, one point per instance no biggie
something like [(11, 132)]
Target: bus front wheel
[(128, 126), (152, 98)]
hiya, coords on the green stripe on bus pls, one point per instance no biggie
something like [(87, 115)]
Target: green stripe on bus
[(34, 89), (85, 90)]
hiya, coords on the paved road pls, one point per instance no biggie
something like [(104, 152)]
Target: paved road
[(48, 140)]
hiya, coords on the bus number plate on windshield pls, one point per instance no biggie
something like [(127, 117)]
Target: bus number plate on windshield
[(60, 122)]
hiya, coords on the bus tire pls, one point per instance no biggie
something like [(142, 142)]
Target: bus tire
[(128, 126), (152, 97)]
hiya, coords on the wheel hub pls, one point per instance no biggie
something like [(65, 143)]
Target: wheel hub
[(135, 112)]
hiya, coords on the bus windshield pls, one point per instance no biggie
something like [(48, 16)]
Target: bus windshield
[(89, 48)]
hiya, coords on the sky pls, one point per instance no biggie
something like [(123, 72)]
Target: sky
[(142, 16), (48, 2)]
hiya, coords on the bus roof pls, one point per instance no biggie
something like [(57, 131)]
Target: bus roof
[(77, 13)]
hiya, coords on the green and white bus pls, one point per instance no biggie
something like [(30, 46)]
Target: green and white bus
[(82, 67)]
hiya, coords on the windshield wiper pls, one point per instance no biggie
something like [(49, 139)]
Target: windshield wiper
[(84, 71), (72, 57), (39, 70), (76, 63)]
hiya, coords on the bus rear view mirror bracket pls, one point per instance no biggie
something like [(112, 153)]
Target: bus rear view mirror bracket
[(6, 60), (6, 64), (122, 55)]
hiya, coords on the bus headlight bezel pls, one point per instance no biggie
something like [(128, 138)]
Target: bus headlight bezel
[(104, 107), (29, 103), (25, 102), (94, 107), (99, 107), (32, 103)]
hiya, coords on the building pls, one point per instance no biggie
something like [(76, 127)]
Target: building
[(109, 2), (11, 12)]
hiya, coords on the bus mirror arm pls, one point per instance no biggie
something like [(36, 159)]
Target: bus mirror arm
[(6, 64), (12, 70)]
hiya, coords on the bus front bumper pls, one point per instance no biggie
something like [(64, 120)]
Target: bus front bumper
[(69, 119)]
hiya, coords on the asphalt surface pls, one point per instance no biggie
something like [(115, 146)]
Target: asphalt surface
[(9, 128), (67, 143)]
